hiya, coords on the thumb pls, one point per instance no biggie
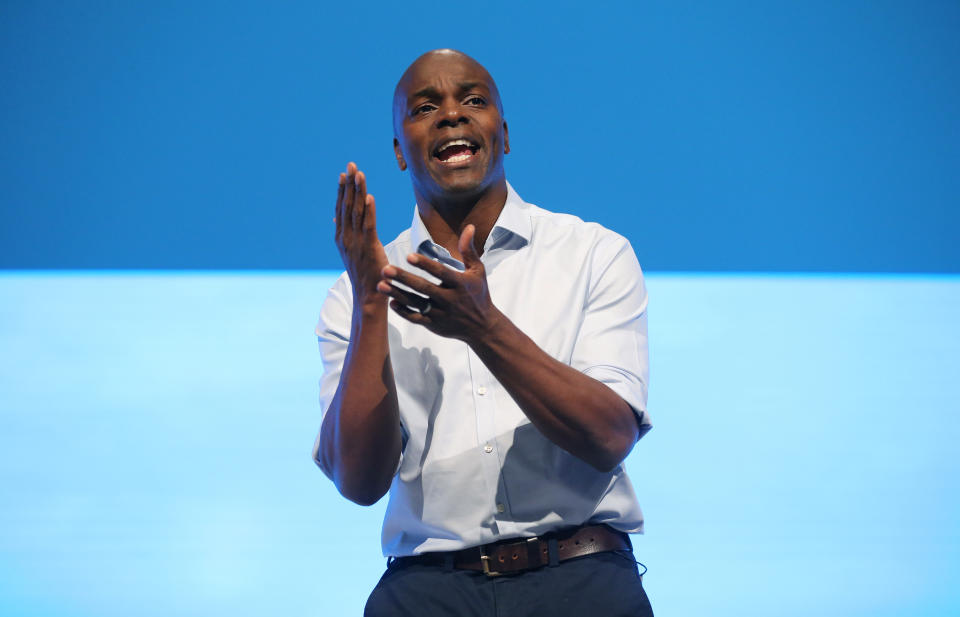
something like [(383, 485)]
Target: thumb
[(467, 249)]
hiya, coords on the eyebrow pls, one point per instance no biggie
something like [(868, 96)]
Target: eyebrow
[(431, 93)]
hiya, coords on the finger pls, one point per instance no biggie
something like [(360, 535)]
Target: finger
[(349, 188), (409, 314), (404, 297), (466, 246), (414, 282), (447, 276), (359, 200), (370, 216), (338, 218)]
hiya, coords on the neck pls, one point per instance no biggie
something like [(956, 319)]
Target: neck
[(446, 216)]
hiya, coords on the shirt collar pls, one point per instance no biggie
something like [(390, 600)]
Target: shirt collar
[(512, 225)]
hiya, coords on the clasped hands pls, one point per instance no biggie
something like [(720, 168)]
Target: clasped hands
[(458, 306)]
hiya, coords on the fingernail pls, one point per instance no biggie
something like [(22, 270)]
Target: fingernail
[(389, 271), (412, 258)]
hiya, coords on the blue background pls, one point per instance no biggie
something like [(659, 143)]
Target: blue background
[(780, 136), (156, 429), (156, 422)]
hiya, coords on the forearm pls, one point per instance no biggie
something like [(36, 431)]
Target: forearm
[(360, 436), (578, 413)]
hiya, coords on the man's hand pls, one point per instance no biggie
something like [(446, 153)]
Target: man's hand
[(356, 236), (459, 307)]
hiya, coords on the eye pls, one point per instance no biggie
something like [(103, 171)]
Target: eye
[(475, 99), (420, 109)]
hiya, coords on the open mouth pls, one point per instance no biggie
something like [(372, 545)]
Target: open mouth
[(455, 151)]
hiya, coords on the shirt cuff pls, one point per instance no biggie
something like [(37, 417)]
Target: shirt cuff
[(627, 387)]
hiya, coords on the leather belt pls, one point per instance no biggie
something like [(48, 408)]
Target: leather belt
[(518, 554)]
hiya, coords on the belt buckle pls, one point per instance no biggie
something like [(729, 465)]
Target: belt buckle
[(485, 560)]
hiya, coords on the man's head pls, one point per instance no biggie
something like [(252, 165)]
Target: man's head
[(448, 125)]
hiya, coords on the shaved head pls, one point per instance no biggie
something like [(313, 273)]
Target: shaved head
[(434, 60)]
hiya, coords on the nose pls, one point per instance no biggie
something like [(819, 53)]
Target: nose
[(451, 114)]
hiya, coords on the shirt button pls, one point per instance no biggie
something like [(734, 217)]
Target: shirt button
[(501, 508), (481, 390), (488, 448)]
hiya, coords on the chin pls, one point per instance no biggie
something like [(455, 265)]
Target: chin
[(464, 181), (459, 182), (464, 186)]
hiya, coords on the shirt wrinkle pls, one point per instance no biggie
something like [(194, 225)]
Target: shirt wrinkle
[(473, 468)]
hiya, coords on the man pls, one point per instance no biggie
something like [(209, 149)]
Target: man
[(489, 369)]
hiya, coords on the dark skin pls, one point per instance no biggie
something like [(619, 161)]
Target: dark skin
[(443, 96)]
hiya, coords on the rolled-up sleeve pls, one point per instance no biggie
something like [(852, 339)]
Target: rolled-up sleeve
[(612, 345)]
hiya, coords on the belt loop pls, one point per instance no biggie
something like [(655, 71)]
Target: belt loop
[(553, 551), (448, 561)]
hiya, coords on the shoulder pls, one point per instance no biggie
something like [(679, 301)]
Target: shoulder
[(571, 233), (573, 245)]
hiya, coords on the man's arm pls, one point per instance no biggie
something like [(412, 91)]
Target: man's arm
[(578, 413), (360, 438), (573, 410)]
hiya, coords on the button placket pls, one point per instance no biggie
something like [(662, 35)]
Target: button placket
[(485, 406)]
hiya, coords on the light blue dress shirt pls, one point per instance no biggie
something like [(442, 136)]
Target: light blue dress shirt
[(474, 469)]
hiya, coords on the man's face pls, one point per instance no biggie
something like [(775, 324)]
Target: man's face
[(450, 132)]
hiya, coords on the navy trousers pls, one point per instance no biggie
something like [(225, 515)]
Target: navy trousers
[(600, 585)]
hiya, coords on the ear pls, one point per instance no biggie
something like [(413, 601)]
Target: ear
[(506, 138), (402, 164)]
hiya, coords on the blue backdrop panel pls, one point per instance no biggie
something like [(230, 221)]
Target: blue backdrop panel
[(716, 136), (155, 437)]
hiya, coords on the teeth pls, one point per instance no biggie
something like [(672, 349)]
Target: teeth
[(457, 158), (456, 142)]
